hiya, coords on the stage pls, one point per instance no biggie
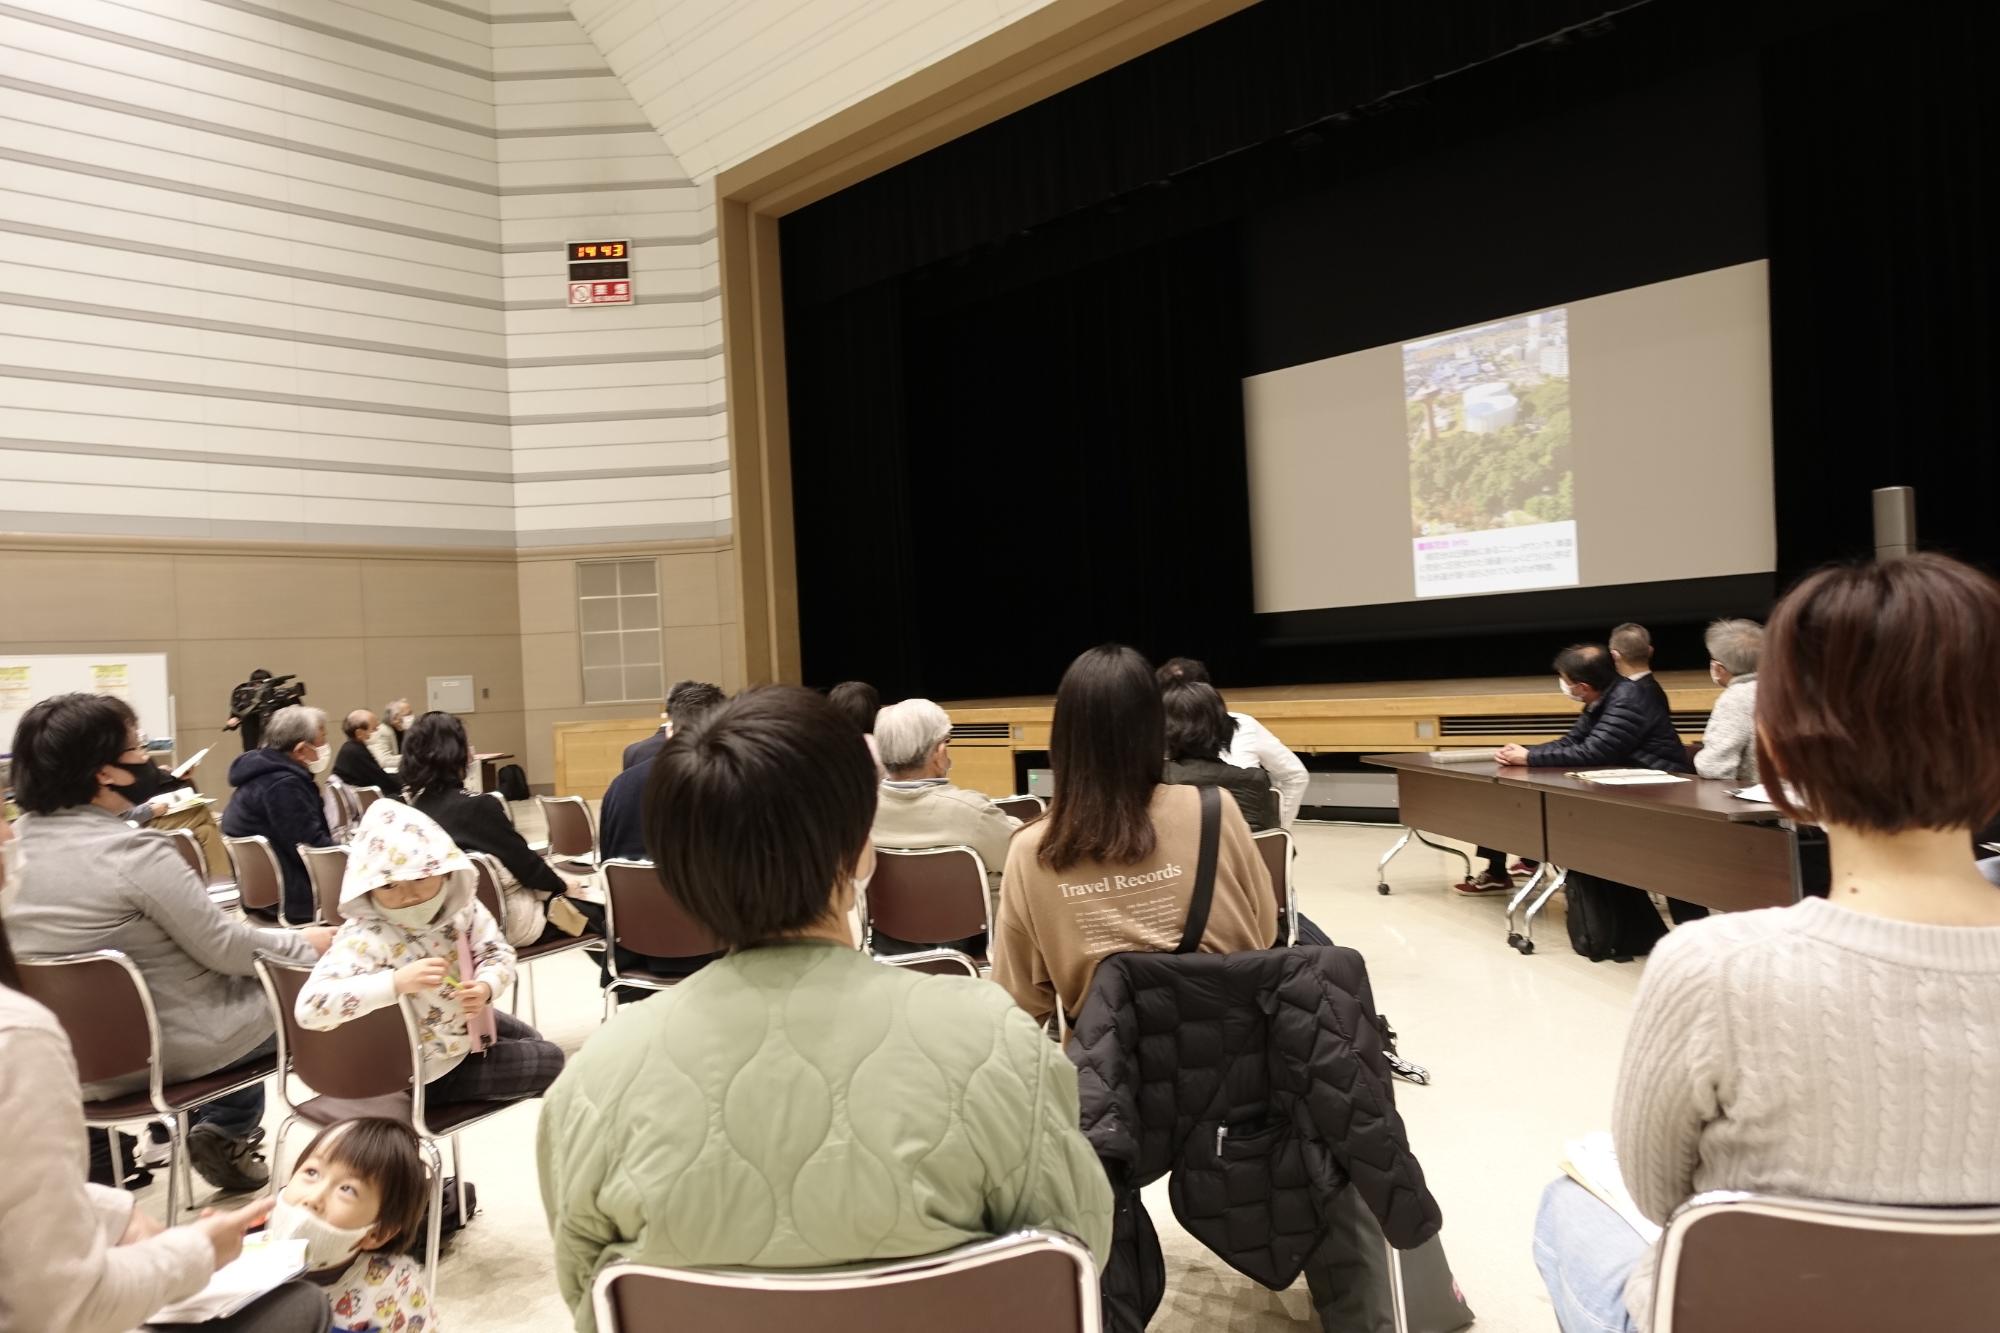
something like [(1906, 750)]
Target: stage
[(1374, 717)]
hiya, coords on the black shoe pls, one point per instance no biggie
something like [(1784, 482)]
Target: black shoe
[(232, 1165)]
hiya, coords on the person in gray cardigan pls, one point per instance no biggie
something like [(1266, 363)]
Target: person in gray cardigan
[(1729, 744), (94, 882)]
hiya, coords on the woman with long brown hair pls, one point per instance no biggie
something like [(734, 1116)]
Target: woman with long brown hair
[(1112, 867)]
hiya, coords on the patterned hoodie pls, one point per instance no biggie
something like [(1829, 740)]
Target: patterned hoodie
[(382, 1293), (358, 974)]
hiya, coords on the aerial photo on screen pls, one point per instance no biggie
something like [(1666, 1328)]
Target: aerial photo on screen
[(1489, 435)]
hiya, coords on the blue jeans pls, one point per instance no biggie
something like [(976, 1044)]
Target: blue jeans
[(1586, 1252)]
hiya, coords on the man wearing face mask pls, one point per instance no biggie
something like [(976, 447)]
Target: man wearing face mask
[(276, 795), (93, 882)]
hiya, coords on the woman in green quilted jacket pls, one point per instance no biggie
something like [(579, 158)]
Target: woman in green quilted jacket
[(796, 1104)]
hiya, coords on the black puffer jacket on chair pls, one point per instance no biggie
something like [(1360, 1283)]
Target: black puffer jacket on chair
[(1258, 1080)]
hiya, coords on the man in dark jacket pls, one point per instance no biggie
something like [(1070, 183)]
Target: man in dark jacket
[(277, 797), (685, 701), (356, 764), (1624, 724), (1632, 658)]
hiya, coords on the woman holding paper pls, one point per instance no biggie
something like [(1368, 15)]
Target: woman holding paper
[(1842, 1047), (81, 1257)]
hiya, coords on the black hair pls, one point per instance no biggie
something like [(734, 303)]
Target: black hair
[(1182, 668), (10, 974), (384, 1153), (59, 745), (1198, 723), (756, 812), (858, 702), (435, 754), (689, 700), (1587, 664), (1106, 747)]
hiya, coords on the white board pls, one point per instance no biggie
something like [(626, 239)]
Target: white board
[(140, 679)]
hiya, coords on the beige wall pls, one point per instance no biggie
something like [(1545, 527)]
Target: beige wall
[(360, 625)]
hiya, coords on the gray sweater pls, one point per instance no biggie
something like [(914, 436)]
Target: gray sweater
[(1812, 1051), (93, 883), (1729, 742)]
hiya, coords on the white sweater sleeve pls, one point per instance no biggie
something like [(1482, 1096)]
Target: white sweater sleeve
[(1668, 1083), (1254, 742)]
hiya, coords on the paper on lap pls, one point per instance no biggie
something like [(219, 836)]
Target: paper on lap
[(263, 1266), (1592, 1162)]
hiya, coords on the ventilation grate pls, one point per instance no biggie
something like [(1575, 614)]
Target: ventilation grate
[(981, 731), (1541, 724)]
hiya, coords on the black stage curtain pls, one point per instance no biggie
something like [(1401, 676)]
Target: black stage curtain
[(1014, 362)]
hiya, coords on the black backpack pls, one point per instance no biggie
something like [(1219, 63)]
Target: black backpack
[(1611, 920), (513, 782)]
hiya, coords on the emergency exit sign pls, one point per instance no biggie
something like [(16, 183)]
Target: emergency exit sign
[(600, 272)]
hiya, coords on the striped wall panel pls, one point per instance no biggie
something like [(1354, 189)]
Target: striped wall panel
[(284, 269)]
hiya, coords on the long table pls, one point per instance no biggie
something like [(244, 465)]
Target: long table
[(1689, 840)]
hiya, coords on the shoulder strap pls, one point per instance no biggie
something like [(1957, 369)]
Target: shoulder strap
[(1204, 869)]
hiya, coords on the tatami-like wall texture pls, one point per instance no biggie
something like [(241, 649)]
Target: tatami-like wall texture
[(292, 269)]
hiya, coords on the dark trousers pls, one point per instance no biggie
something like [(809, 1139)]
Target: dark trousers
[(518, 1065)]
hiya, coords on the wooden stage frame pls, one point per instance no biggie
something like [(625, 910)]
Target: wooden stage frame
[(1377, 717)]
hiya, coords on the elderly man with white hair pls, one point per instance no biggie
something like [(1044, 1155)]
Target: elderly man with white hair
[(385, 740), (919, 806), (277, 795), (1729, 744)]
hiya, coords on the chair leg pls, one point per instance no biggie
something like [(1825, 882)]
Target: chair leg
[(1382, 866), (434, 1241), (458, 1180), (534, 1009), (177, 1169), (278, 1152)]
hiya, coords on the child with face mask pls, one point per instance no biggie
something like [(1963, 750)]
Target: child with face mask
[(414, 926), (356, 1199)]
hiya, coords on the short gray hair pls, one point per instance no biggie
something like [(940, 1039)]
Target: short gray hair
[(907, 731), (1737, 644), (396, 708), (289, 726)]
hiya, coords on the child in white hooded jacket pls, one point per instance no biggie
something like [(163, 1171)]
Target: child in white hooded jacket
[(414, 926)]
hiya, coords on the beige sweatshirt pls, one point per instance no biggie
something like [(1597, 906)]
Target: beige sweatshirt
[(62, 1266), (1812, 1051), (1056, 926)]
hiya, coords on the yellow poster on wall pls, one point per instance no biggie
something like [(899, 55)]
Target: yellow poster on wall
[(112, 678), (15, 687)]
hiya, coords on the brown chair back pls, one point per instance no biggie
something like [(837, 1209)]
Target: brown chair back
[(1275, 846), (258, 877), (345, 808), (570, 830), (104, 1007), (326, 867), (487, 889), (1025, 808), (643, 917), (189, 847), (365, 797), (940, 962), (1740, 1263), (932, 896), (364, 1057), (1039, 1281)]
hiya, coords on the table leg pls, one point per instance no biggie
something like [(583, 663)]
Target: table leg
[(1382, 866), (1527, 944), (1520, 896)]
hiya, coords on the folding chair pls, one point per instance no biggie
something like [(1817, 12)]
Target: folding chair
[(641, 916), (260, 881), (1024, 807), (1275, 846), (364, 797), (326, 867), (346, 810), (1749, 1263), (929, 896), (943, 962), (1029, 1280), (368, 1066), (572, 832), (490, 871), (104, 1005), (224, 896)]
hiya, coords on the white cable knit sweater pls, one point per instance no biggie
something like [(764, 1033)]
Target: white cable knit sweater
[(1812, 1051)]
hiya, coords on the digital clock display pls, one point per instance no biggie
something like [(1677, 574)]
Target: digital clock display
[(585, 251)]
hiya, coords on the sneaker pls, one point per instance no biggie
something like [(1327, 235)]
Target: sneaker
[(1521, 868), (232, 1165), (1488, 882), (157, 1147)]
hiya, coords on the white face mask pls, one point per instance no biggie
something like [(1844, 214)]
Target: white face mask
[(322, 759), (1568, 690), (415, 917), (327, 1246)]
